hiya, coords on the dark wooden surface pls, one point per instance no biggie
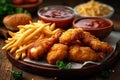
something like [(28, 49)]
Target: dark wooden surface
[(113, 72)]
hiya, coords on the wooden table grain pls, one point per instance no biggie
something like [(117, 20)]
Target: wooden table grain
[(113, 71)]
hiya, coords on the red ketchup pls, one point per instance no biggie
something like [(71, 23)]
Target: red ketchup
[(92, 23), (61, 15)]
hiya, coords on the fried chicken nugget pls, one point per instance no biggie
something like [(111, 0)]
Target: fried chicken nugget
[(57, 52), (82, 54), (39, 48), (96, 44), (101, 46), (87, 38), (71, 35)]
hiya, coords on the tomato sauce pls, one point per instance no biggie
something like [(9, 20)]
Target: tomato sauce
[(61, 15), (92, 23), (57, 13)]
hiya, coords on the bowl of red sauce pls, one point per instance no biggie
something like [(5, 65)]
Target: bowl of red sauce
[(61, 15), (100, 27)]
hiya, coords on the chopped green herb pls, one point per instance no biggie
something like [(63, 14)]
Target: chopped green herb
[(63, 65), (17, 75)]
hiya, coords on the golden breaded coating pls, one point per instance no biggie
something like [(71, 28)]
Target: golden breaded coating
[(101, 46), (70, 35), (39, 48), (88, 37), (96, 44), (81, 54), (57, 52)]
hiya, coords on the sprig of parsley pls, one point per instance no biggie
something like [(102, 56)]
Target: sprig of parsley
[(63, 65), (18, 75)]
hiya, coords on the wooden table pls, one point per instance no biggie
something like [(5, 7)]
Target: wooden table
[(6, 66)]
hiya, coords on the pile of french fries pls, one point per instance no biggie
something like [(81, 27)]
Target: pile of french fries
[(19, 41), (93, 8)]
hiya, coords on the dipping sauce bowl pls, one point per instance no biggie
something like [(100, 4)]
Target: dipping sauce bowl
[(100, 27), (62, 16)]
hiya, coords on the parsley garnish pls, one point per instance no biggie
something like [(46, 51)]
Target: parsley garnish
[(17, 75), (63, 65)]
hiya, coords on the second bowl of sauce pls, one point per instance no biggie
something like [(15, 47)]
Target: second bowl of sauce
[(92, 23), (100, 27)]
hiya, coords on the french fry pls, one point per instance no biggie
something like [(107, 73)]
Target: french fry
[(52, 26), (40, 37), (18, 55), (47, 31), (9, 40), (7, 45), (13, 49), (57, 30), (34, 33), (18, 42), (23, 48), (11, 33), (41, 22), (23, 55)]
